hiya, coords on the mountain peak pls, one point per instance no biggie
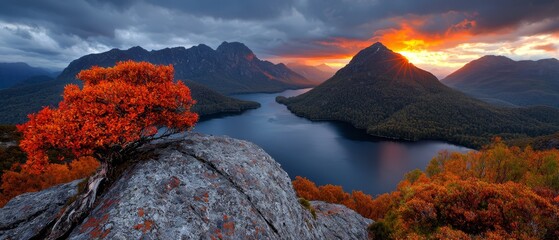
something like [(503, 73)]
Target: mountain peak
[(494, 59), (137, 49), (236, 50), (233, 47), (374, 53), (324, 67), (378, 45), (378, 63)]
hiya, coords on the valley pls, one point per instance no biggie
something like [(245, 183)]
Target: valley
[(325, 152)]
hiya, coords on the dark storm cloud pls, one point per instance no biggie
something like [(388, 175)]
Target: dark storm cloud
[(81, 18), (489, 15), (63, 30), (227, 9)]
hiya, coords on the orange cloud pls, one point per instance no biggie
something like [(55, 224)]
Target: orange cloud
[(546, 47), (440, 45), (404, 38), (408, 37)]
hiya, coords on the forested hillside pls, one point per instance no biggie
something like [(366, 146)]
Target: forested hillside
[(380, 91)]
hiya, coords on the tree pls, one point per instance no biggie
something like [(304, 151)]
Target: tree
[(118, 110)]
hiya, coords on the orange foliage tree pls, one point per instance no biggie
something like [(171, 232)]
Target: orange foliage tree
[(117, 110)]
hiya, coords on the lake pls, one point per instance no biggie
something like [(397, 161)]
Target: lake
[(325, 152)]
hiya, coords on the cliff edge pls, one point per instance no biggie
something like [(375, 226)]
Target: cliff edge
[(198, 187)]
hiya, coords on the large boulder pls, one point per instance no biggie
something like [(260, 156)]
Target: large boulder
[(28, 214), (206, 187)]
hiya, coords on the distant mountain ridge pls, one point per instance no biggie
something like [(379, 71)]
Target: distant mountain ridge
[(13, 73), (380, 91), (317, 74), (231, 68), (498, 78)]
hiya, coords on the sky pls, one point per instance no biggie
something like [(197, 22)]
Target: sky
[(437, 35)]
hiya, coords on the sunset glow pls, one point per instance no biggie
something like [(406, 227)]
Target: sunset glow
[(437, 36), (442, 52)]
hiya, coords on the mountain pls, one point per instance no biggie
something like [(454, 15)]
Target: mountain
[(201, 187), (33, 80), (500, 79), (231, 68), (380, 91), (12, 73), (325, 68), (317, 74)]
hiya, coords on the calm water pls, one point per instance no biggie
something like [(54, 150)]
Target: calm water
[(325, 152)]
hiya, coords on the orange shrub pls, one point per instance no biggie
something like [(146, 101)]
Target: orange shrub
[(17, 182)]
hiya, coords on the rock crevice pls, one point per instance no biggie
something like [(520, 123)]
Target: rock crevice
[(197, 187), (227, 177)]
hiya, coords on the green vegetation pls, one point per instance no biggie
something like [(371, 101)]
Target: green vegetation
[(538, 143), (10, 152), (210, 102), (17, 102), (379, 230), (389, 97), (402, 113), (307, 205), (501, 80)]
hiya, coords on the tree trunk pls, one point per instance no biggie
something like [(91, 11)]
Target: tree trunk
[(80, 208)]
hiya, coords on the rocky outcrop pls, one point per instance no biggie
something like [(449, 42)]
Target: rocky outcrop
[(205, 187), (26, 215)]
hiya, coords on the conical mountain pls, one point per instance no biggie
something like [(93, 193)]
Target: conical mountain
[(499, 79), (382, 92)]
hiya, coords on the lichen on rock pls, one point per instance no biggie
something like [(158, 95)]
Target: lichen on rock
[(211, 187)]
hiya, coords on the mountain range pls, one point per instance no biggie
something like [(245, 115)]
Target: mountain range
[(380, 91), (317, 74), (498, 79), (231, 68), (14, 73)]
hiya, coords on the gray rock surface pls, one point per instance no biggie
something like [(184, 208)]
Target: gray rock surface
[(27, 214), (206, 187)]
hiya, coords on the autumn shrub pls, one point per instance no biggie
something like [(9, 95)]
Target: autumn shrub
[(499, 192), (20, 180), (357, 200), (499, 163)]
